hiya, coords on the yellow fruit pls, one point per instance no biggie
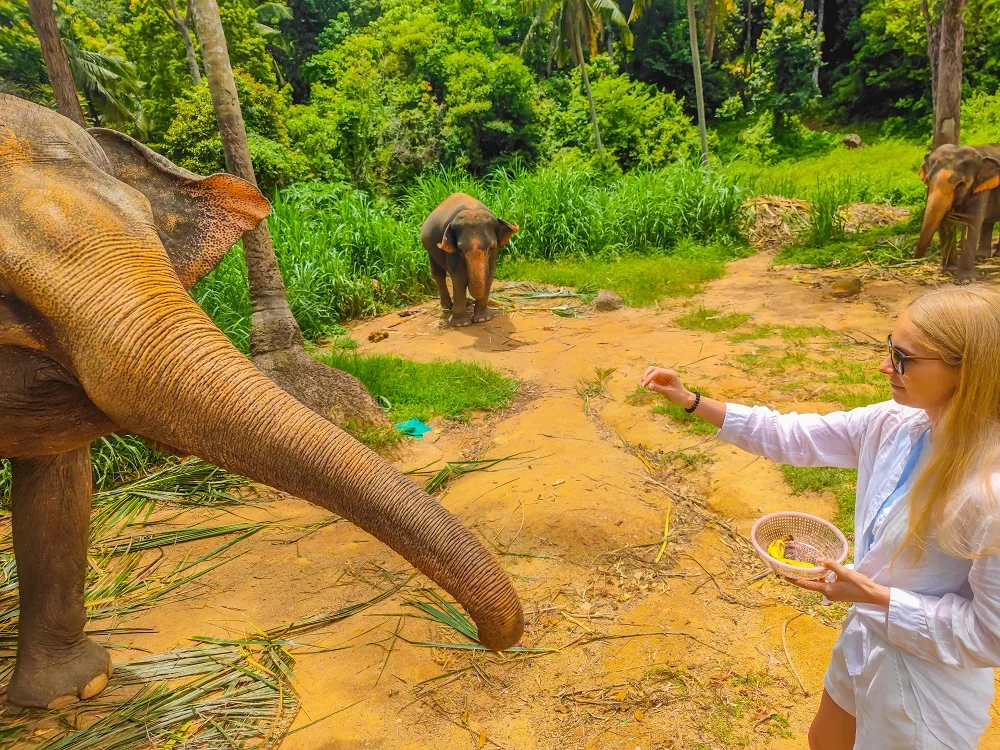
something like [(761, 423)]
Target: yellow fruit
[(776, 549)]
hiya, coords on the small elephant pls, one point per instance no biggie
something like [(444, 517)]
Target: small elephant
[(100, 239), (463, 239), (963, 190)]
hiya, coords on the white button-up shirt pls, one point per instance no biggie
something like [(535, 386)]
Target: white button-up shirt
[(944, 611)]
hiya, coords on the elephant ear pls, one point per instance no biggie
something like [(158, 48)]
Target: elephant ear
[(505, 231), (989, 176), (448, 243), (198, 218)]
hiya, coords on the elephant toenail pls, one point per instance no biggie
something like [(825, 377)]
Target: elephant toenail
[(62, 701), (95, 686)]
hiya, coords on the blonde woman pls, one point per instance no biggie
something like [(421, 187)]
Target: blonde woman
[(913, 667)]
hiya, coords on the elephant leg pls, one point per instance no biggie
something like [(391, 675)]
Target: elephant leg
[(57, 665), (966, 270), (460, 312), (440, 278), (482, 311), (984, 250)]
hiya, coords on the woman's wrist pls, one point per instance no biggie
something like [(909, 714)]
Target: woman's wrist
[(879, 595), (687, 400)]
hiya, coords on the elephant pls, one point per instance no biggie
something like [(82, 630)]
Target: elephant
[(963, 188), (100, 239), (463, 238)]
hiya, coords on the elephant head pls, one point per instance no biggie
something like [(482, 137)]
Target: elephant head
[(953, 175), (478, 235), (99, 239)]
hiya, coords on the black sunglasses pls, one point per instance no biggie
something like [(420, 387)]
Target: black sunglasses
[(898, 358)]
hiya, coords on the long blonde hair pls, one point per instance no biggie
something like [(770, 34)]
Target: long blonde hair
[(952, 499)]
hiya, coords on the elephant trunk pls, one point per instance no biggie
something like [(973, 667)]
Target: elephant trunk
[(940, 197), (478, 263), (153, 361)]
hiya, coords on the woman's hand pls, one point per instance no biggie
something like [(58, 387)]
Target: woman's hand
[(848, 586), (667, 383)]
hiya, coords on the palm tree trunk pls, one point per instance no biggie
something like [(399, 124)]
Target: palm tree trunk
[(820, 10), (183, 24), (711, 12), (578, 53), (948, 109), (275, 337), (43, 18), (933, 48), (699, 93)]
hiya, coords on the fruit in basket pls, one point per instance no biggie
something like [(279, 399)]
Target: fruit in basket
[(798, 554)]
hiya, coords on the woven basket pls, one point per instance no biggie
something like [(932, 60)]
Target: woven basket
[(802, 527)]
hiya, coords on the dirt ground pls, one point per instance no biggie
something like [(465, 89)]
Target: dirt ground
[(686, 652)]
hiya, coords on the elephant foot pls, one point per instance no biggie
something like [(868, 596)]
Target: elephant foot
[(60, 679), (965, 277), (485, 315), (460, 321)]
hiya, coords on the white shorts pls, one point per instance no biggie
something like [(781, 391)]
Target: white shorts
[(881, 699)]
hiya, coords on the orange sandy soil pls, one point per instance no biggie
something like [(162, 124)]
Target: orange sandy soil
[(682, 653)]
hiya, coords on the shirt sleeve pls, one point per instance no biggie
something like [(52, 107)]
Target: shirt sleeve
[(951, 629), (799, 439)]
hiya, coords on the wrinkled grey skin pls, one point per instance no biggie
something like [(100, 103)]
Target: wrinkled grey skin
[(463, 238), (961, 190), (99, 240)]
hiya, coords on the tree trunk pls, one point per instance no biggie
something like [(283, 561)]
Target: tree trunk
[(933, 26), (820, 9), (275, 337), (578, 53), (947, 113), (699, 94), (747, 51), (183, 24), (711, 12), (609, 39), (43, 18)]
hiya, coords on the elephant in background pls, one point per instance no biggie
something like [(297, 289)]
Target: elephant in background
[(100, 238), (963, 190), (463, 239)]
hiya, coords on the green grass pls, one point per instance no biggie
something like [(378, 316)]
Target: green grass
[(788, 333), (453, 390), (640, 280), (841, 482), (707, 319), (883, 172), (882, 246)]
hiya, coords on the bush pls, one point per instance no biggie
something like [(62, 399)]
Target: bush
[(788, 52), (641, 126), (193, 140), (981, 118)]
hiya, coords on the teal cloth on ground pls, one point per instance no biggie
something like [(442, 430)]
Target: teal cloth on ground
[(413, 428)]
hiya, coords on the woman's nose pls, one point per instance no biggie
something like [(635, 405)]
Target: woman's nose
[(886, 367)]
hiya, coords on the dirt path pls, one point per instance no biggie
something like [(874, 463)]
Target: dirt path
[(685, 652)]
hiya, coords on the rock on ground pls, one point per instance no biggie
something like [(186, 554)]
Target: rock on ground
[(607, 301), (852, 141)]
